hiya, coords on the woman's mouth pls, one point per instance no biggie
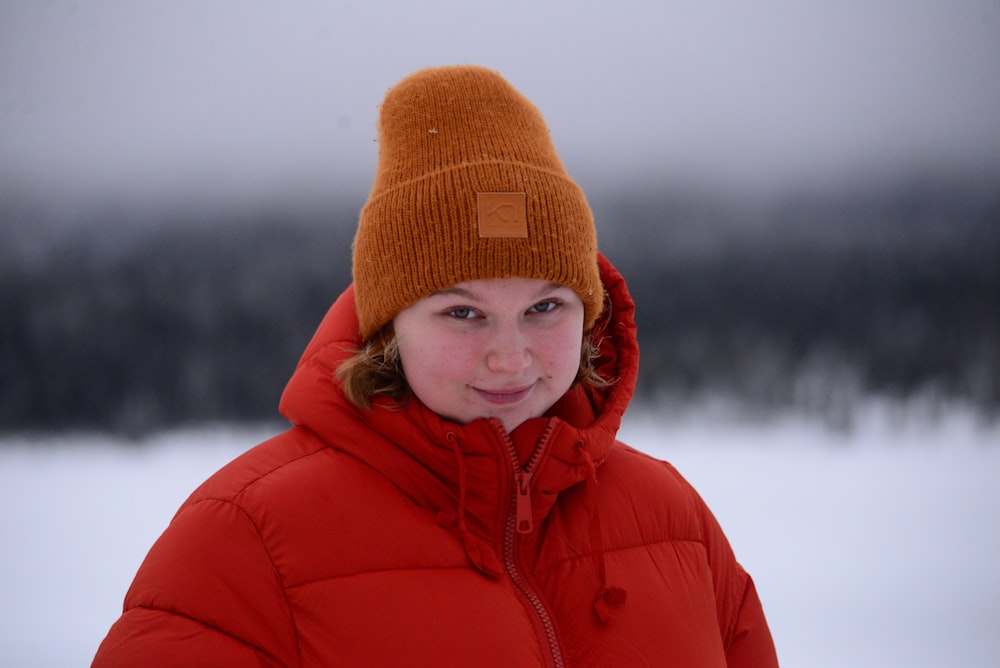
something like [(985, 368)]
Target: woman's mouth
[(504, 396)]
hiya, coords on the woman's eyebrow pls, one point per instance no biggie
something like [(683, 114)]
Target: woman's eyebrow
[(549, 287), (455, 291)]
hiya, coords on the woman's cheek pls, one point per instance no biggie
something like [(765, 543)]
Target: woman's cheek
[(556, 349)]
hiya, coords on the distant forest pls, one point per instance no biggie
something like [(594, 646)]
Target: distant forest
[(812, 303)]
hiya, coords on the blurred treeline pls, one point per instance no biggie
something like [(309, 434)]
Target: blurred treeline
[(111, 320)]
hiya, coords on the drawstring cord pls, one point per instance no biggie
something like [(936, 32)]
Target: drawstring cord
[(478, 550), (606, 596)]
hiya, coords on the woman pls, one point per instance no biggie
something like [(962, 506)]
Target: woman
[(451, 492)]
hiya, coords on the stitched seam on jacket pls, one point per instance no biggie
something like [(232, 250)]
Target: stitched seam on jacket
[(644, 545), (323, 448), (257, 650), (376, 571)]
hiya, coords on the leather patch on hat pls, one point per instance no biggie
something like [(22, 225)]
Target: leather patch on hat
[(502, 215)]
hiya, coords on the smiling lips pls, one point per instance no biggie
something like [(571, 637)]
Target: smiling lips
[(504, 396)]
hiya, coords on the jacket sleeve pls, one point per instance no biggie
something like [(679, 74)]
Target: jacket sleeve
[(746, 635), (749, 638), (207, 594)]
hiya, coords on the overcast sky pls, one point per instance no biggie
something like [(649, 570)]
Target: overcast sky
[(229, 97)]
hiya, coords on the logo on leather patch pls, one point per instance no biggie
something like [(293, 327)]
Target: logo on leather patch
[(502, 215)]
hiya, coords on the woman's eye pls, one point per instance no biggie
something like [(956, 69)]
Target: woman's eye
[(543, 307), (462, 313)]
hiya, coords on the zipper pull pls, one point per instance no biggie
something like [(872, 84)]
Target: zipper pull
[(525, 523)]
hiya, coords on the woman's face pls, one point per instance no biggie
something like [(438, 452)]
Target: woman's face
[(506, 348)]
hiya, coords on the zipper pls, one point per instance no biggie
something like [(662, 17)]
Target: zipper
[(519, 520)]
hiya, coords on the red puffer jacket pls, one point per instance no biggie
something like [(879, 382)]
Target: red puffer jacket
[(392, 537)]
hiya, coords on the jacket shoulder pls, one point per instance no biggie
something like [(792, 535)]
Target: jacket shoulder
[(238, 477), (209, 591), (635, 477), (672, 509)]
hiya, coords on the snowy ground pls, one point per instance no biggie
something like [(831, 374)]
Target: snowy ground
[(875, 547)]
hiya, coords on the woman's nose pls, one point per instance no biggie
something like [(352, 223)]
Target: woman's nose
[(509, 351)]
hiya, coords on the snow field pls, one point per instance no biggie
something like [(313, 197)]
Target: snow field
[(875, 547)]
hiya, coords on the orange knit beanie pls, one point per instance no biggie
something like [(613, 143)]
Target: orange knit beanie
[(468, 187)]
